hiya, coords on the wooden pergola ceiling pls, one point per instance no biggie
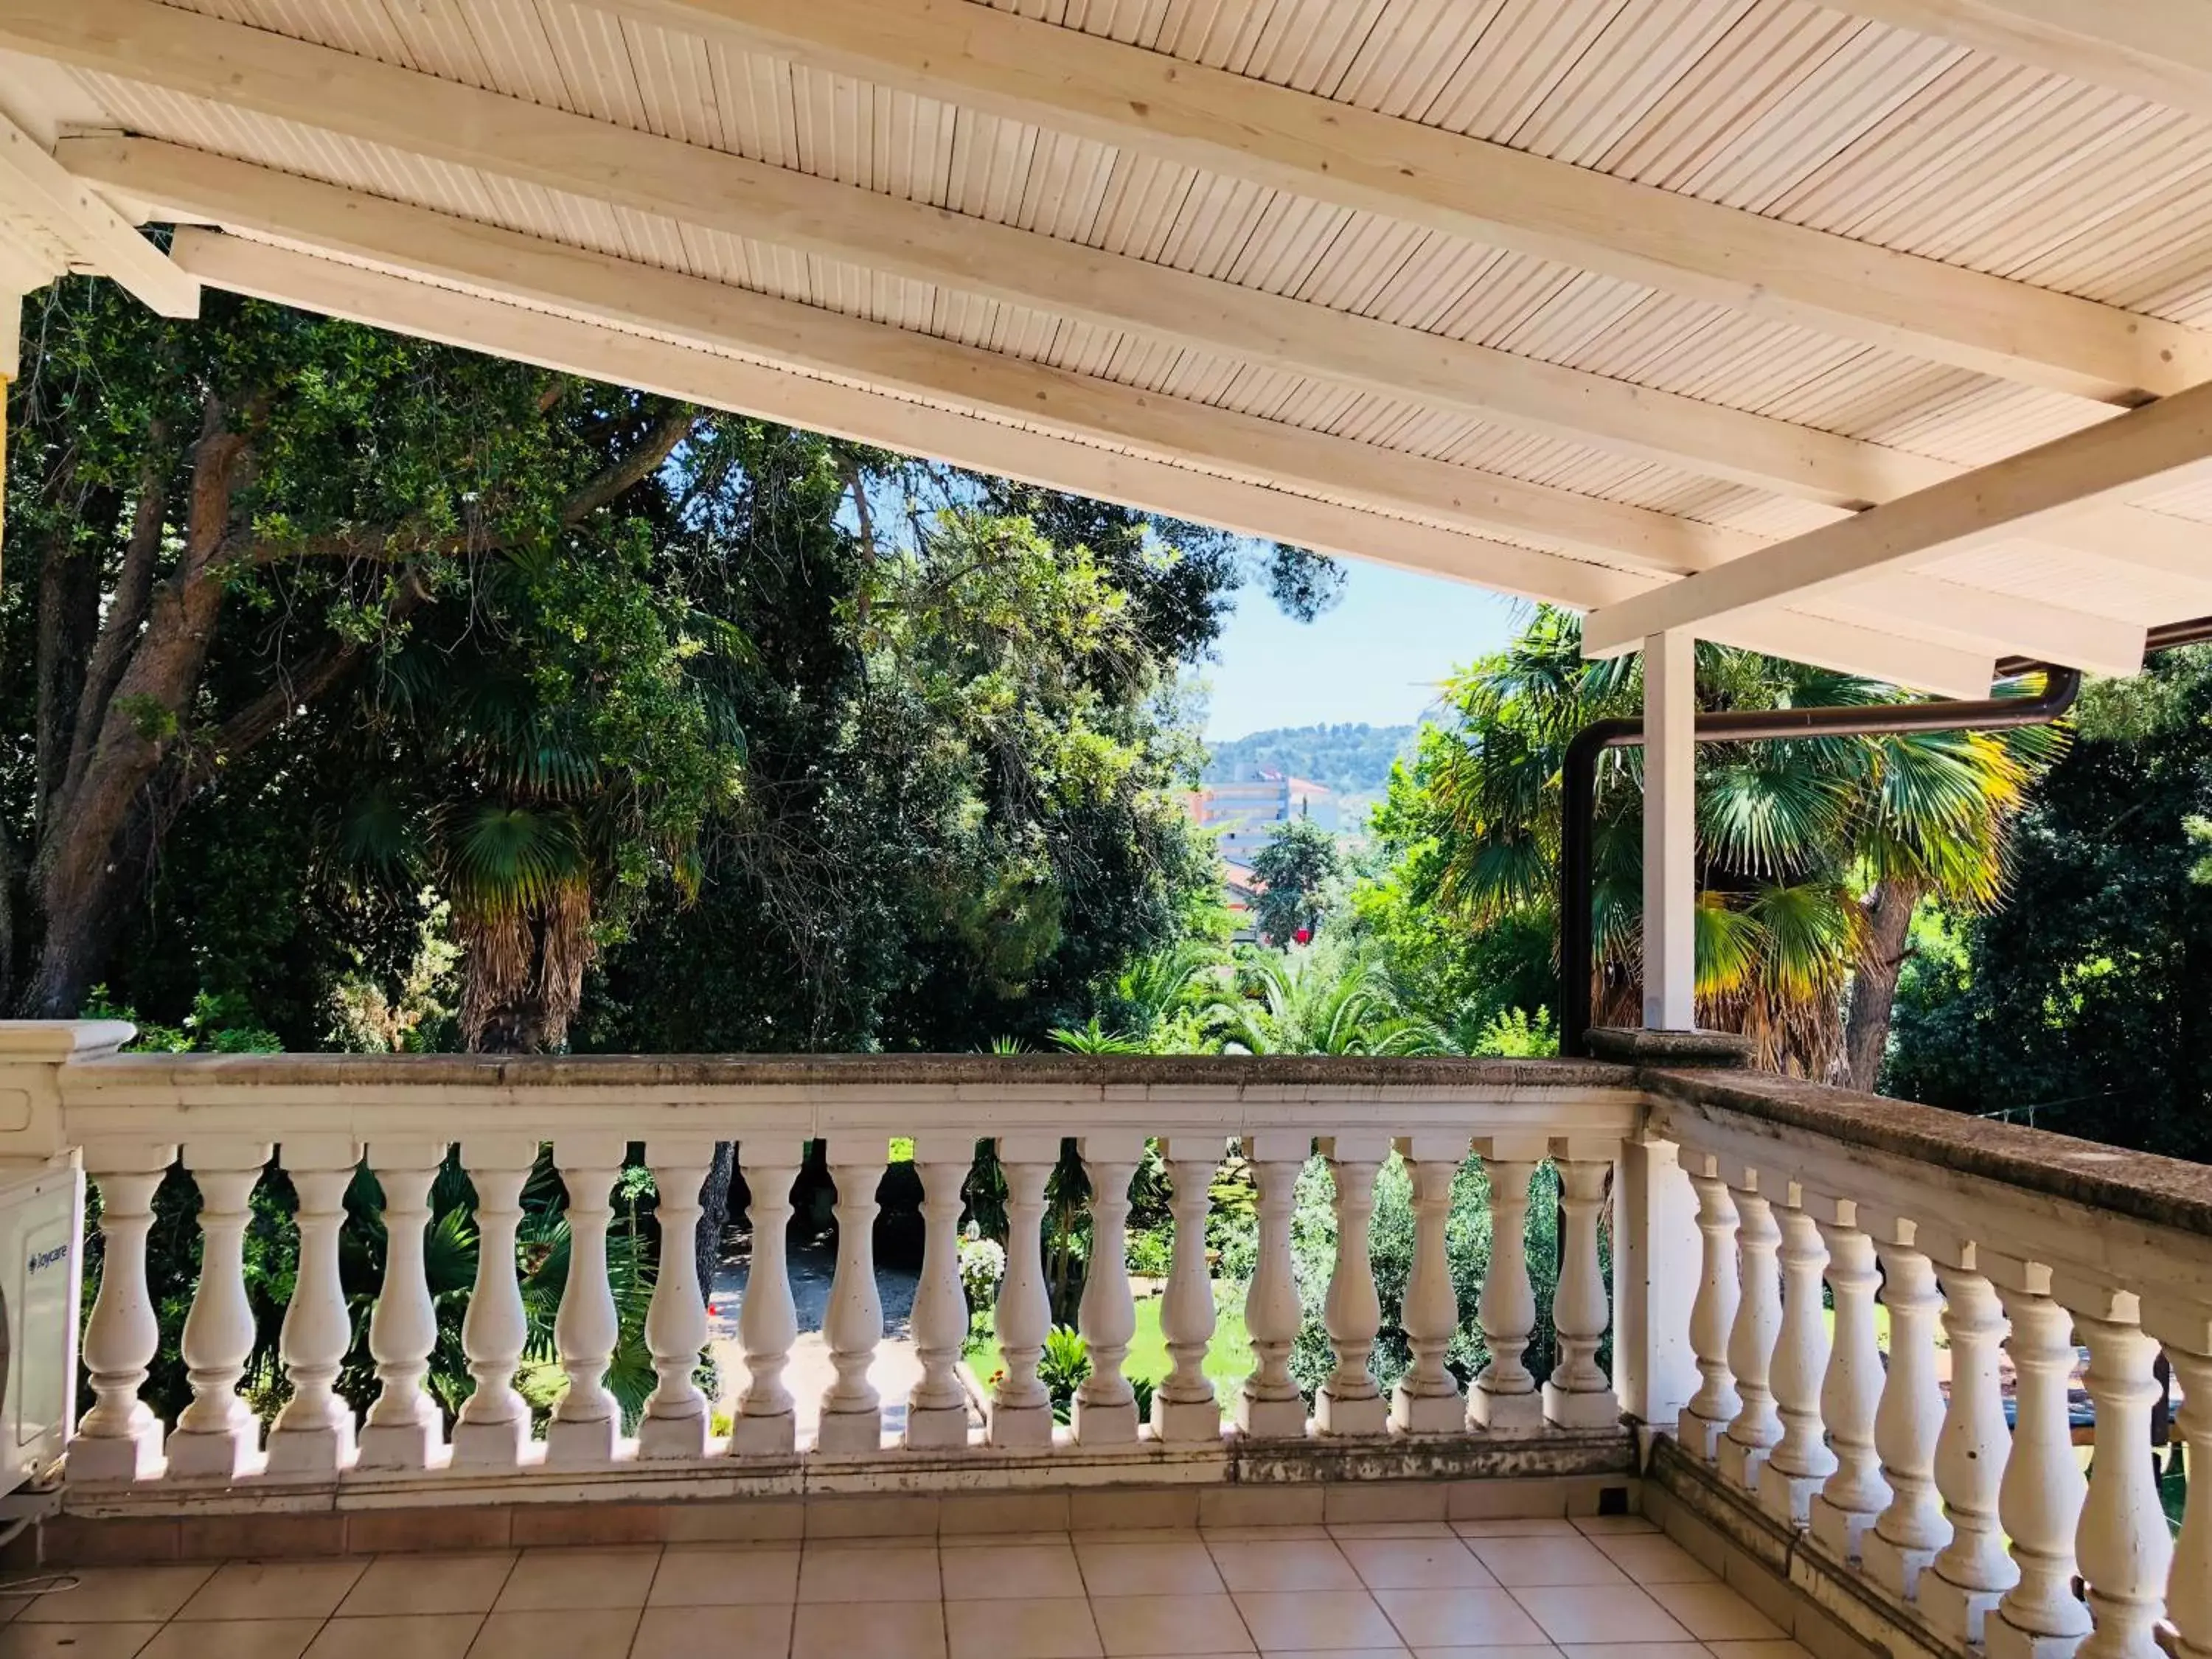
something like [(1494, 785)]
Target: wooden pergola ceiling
[(1780, 325)]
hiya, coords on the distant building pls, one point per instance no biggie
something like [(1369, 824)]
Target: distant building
[(1245, 816)]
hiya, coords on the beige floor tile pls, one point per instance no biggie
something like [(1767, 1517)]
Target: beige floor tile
[(1311, 1563), (1262, 1535), (881, 1629), (1080, 1536), (1517, 1561), (1306, 1620), (21, 1641), (1714, 1613), (1416, 1564), (1457, 1618), (1034, 1627), (1635, 1651), (552, 1581), (837, 1572), (1783, 1649), (1654, 1560), (715, 1576), (273, 1589), (1599, 1613), (401, 1636), (1026, 1571), (394, 1585), (1170, 1624), (117, 1595), (1333, 1653), (1505, 1650), (1540, 1526), (557, 1633), (758, 1631), (1613, 1526), (1341, 1530), (1176, 1569), (233, 1639)]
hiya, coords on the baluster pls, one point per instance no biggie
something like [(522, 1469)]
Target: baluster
[(766, 1425), (1712, 1315), (217, 1434), (851, 1410), (1184, 1409), (1972, 1571), (2185, 1332), (1269, 1405), (1021, 1405), (1843, 1510), (1505, 1394), (937, 1408), (1426, 1399), (587, 1422), (119, 1438), (1349, 1402), (1106, 1406), (675, 1421), (404, 1426), (1800, 1463), (493, 1426), (314, 1432), (1756, 1429), (2039, 1503), (2122, 1543), (1578, 1394), (1909, 1531)]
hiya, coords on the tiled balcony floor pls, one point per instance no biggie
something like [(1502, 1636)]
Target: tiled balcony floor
[(1610, 1588)]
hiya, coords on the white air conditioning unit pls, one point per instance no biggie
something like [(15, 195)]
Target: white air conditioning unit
[(41, 1262)]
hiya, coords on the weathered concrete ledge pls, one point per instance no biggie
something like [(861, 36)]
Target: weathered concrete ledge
[(1630, 1046), (2167, 1192)]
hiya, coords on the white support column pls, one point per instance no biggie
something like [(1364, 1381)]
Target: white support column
[(1105, 1405), (1670, 881), (937, 1407), (2184, 1330), (215, 1434), (1756, 1429), (1855, 1494), (587, 1423), (675, 1420), (314, 1432), (1269, 1405), (492, 1428), (1427, 1398), (766, 1425), (1972, 1572), (1021, 1405), (1184, 1409), (1349, 1401), (1655, 1283), (1504, 1395), (2039, 1503), (2124, 1544), (1705, 1421), (119, 1438), (404, 1426), (1800, 1463), (851, 1410), (1908, 1533), (1578, 1394)]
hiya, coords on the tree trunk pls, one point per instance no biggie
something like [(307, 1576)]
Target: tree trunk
[(715, 1214), (1874, 986)]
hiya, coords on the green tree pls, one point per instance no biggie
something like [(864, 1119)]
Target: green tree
[(1807, 849), (1327, 999), (1294, 871)]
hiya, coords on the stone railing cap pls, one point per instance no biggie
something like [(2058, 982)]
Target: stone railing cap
[(1628, 1046)]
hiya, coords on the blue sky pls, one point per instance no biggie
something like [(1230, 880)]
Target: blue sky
[(1376, 657)]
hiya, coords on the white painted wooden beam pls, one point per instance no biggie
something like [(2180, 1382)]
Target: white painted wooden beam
[(55, 221), (469, 127), (1060, 78), (2006, 499), (1271, 511), (1670, 832), (2160, 50), (1927, 606)]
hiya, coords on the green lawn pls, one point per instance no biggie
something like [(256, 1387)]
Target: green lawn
[(1228, 1358)]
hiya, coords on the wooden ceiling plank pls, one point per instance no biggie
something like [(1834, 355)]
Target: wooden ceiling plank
[(35, 187)]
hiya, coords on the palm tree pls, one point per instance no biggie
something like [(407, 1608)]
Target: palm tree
[(1812, 853), (1325, 1000)]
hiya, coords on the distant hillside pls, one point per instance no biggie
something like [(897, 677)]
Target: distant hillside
[(1352, 760)]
